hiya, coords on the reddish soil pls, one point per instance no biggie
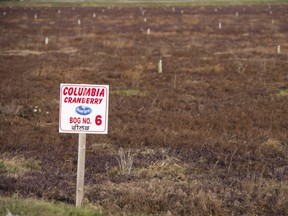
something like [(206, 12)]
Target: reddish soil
[(208, 135)]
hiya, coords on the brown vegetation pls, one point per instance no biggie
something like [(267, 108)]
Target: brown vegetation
[(208, 136)]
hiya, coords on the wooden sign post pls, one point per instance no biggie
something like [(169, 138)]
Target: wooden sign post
[(83, 109), (80, 169)]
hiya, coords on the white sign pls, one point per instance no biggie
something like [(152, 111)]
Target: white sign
[(84, 108)]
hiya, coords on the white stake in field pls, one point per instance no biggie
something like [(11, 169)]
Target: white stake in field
[(160, 66), (148, 31), (46, 41), (278, 49)]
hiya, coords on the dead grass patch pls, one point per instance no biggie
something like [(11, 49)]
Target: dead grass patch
[(119, 43), (161, 197), (134, 75), (66, 50), (129, 92), (170, 169), (210, 68), (18, 166), (11, 108), (196, 83), (273, 147), (264, 192), (190, 20), (259, 49), (53, 73), (109, 148), (22, 52), (25, 52)]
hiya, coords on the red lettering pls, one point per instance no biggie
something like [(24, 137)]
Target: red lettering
[(102, 93), (88, 92), (75, 120), (70, 91), (86, 121), (98, 120), (93, 92), (65, 91), (78, 91)]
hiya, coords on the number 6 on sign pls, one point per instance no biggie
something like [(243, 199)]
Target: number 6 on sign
[(98, 120)]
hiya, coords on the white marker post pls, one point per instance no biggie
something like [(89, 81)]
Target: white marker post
[(148, 31), (220, 25), (278, 49), (83, 109), (160, 66)]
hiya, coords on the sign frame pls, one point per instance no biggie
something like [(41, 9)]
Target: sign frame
[(85, 98)]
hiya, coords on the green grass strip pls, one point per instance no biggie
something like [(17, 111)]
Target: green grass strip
[(283, 92), (29, 207)]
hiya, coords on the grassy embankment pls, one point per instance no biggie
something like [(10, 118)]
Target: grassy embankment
[(35, 207)]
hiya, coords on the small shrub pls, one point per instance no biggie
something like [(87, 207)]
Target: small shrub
[(125, 162), (10, 109)]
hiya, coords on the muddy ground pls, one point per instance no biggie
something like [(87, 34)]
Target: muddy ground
[(207, 136)]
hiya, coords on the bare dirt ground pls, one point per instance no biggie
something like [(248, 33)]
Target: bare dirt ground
[(207, 136)]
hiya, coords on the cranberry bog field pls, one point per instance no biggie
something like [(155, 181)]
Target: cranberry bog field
[(207, 136)]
